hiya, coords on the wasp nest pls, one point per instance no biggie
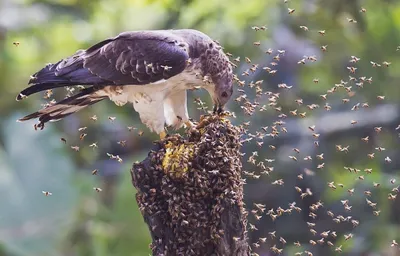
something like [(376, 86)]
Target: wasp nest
[(190, 192)]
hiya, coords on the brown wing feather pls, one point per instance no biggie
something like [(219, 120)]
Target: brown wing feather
[(132, 58), (139, 58)]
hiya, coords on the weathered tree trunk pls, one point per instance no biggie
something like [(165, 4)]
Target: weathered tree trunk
[(190, 193)]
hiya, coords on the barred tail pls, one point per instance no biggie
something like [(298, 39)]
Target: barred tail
[(66, 107)]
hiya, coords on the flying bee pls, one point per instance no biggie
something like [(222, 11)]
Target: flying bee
[(97, 189), (46, 193), (304, 28)]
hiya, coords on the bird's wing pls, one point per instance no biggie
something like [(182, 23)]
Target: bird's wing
[(137, 58), (131, 58)]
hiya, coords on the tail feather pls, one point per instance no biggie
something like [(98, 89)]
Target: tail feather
[(65, 107), (68, 72)]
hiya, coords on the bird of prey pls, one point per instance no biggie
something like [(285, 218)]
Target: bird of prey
[(151, 69)]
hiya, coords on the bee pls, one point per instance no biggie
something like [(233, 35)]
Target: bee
[(367, 193), (376, 184), (312, 58), (302, 61), (324, 48), (352, 69), (16, 43), (299, 101), (374, 64), (97, 189), (95, 171), (82, 136), (348, 236), (338, 249), (321, 32), (290, 11), (304, 28), (63, 140), (166, 68), (376, 213), (252, 227), (46, 193), (122, 143), (351, 20)]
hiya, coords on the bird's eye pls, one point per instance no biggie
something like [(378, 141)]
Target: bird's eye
[(224, 94)]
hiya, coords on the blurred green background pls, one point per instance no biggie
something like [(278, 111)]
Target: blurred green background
[(76, 220)]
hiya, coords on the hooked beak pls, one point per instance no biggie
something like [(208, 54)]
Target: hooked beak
[(218, 108)]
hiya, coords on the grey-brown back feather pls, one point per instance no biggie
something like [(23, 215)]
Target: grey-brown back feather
[(131, 58)]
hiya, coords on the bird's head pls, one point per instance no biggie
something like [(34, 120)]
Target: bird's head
[(217, 67), (222, 91)]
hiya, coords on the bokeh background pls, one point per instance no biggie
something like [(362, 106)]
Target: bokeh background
[(77, 220)]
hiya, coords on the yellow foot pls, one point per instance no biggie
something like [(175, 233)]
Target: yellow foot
[(163, 134), (189, 124)]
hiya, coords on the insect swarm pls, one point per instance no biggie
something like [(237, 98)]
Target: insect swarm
[(194, 182)]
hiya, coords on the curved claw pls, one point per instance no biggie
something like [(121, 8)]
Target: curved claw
[(217, 109), (163, 134)]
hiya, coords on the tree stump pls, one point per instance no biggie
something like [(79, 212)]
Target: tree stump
[(190, 192)]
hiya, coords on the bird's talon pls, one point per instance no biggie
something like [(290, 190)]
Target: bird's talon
[(190, 127), (163, 134), (215, 108), (189, 124)]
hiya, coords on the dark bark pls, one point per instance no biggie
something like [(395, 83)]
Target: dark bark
[(190, 192)]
